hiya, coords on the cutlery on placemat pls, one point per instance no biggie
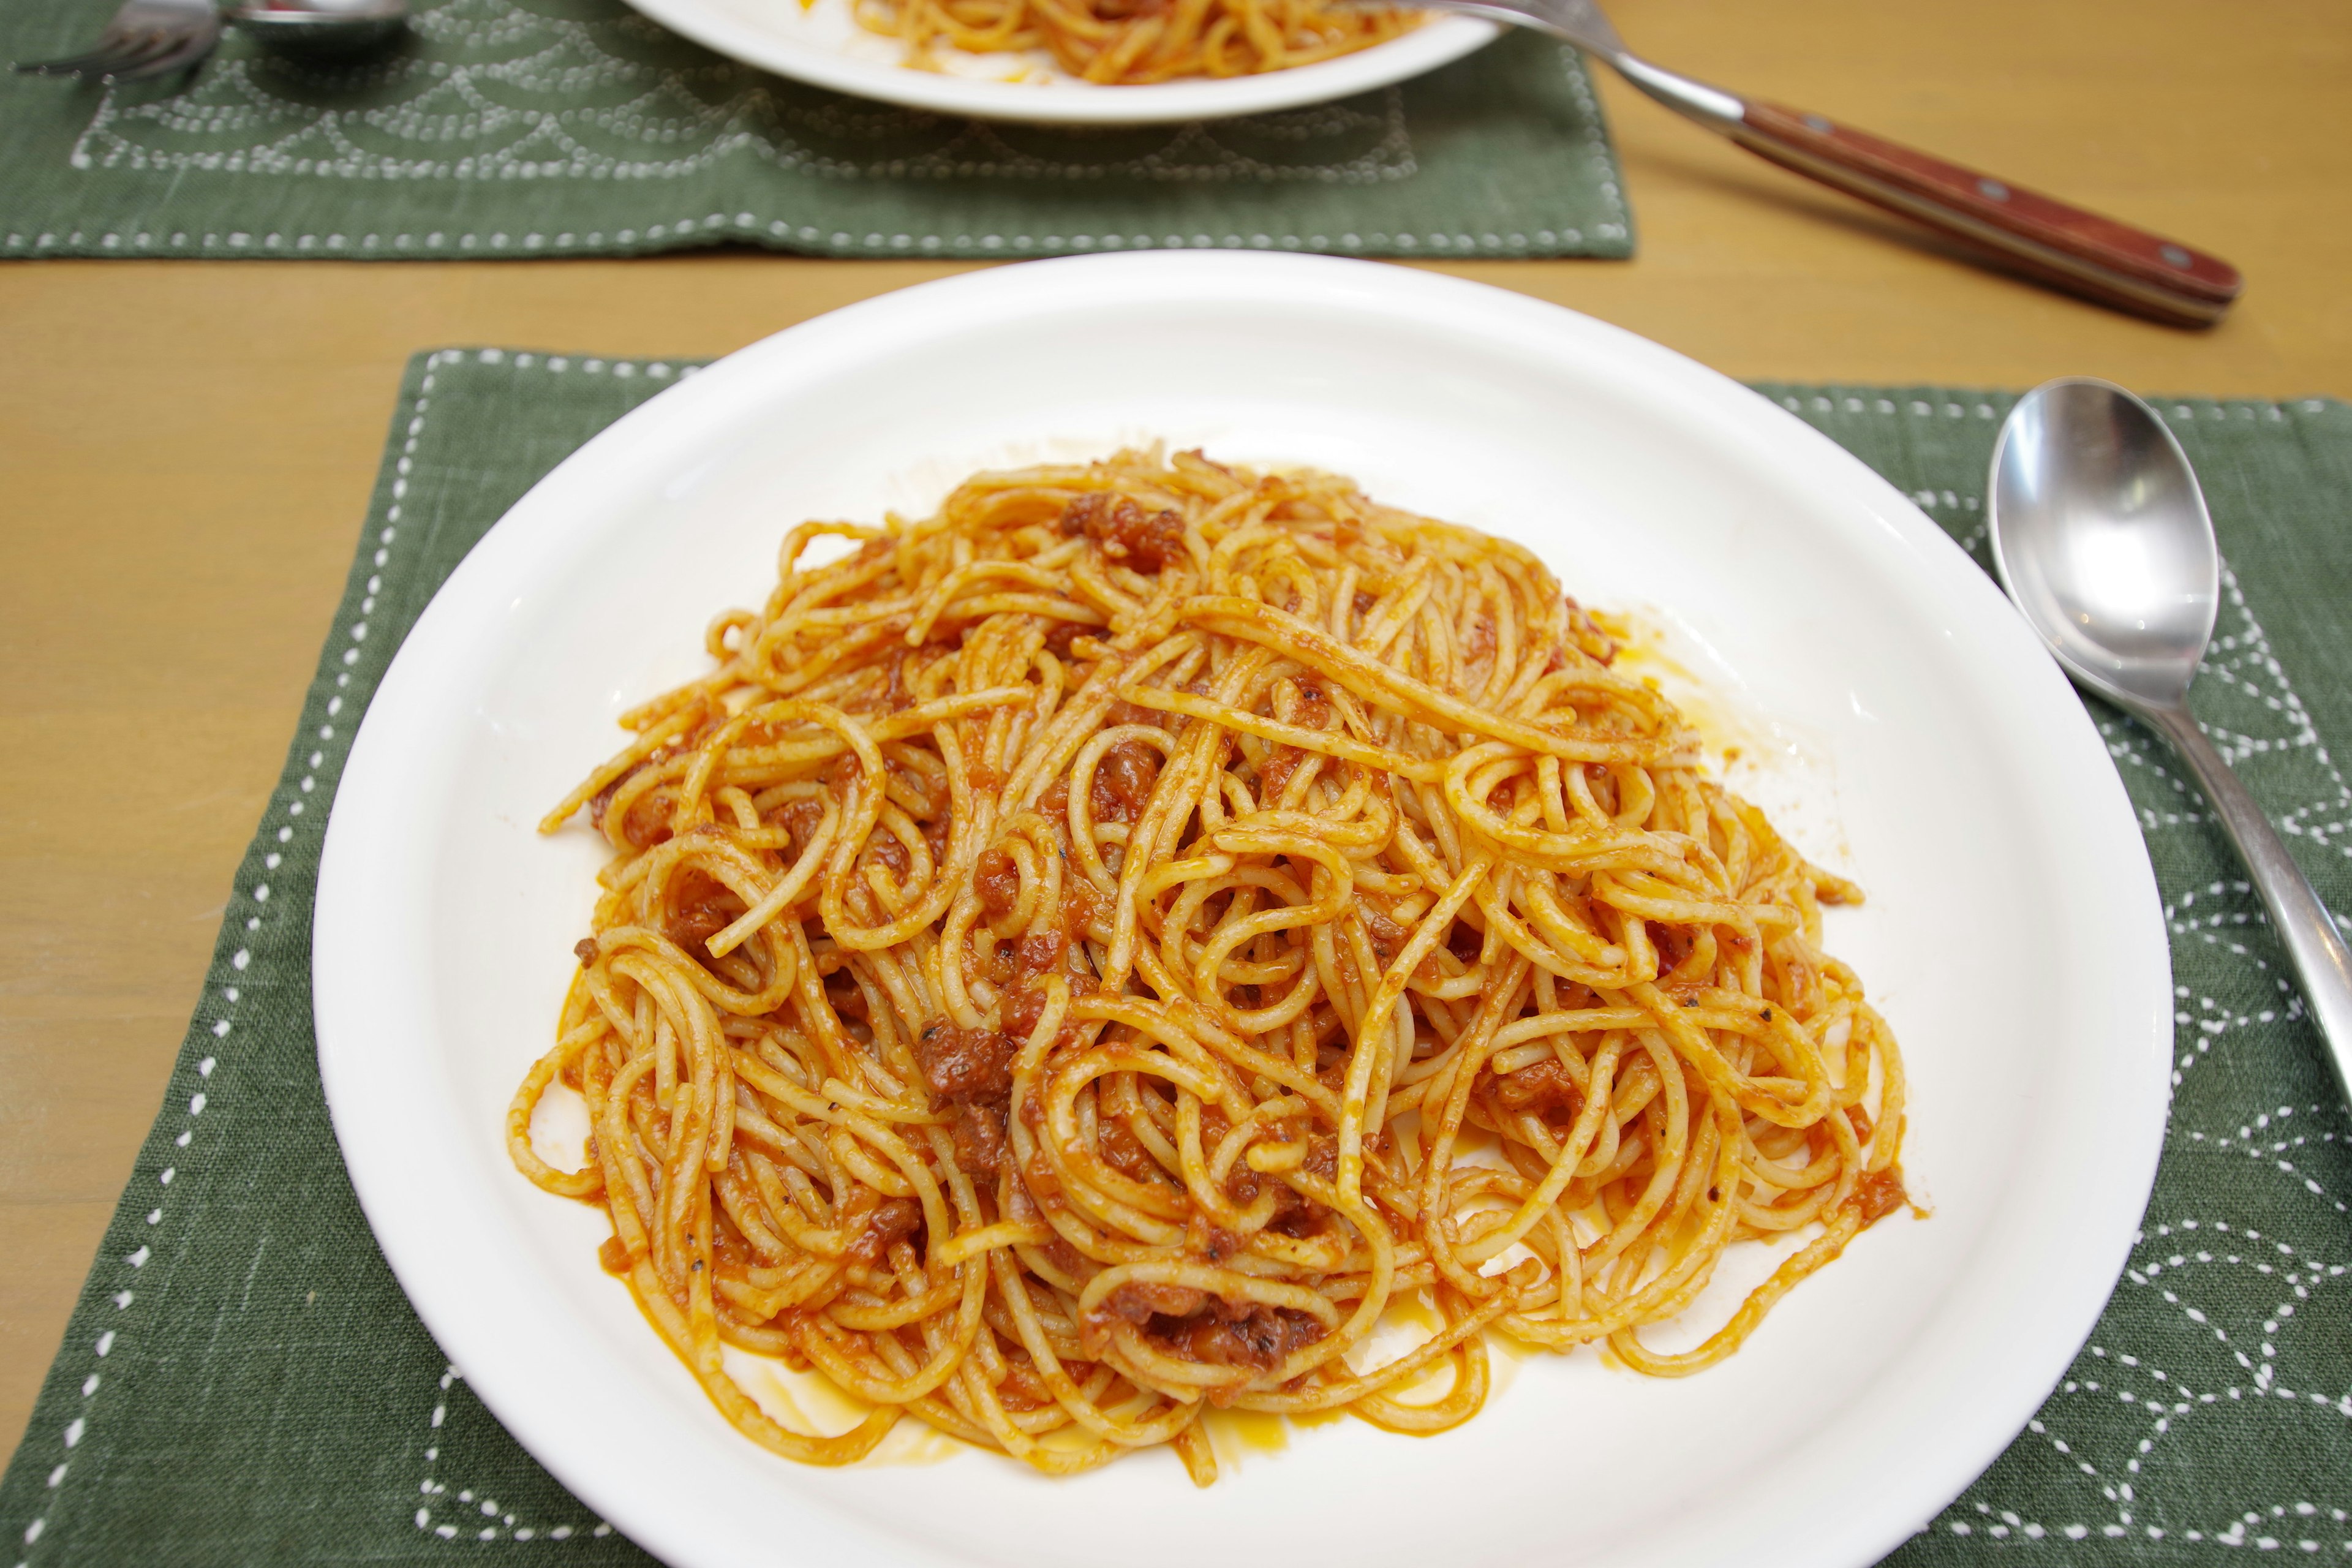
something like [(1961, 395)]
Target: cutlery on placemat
[(2079, 251), (2101, 535), (155, 38)]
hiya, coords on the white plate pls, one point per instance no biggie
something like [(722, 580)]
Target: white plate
[(821, 44), (1916, 736)]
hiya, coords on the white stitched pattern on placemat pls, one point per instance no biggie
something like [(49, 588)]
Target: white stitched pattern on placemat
[(474, 1517), (599, 112)]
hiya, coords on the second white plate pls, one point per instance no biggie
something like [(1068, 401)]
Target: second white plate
[(821, 43)]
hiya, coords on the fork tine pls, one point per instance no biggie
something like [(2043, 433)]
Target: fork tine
[(122, 52), (111, 45), (131, 52), (150, 44), (185, 50)]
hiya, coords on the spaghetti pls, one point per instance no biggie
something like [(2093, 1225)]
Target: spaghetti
[(1078, 960), (1130, 42)]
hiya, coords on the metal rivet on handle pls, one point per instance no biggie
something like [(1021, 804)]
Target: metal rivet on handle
[(1994, 189), (2174, 254), (1815, 123)]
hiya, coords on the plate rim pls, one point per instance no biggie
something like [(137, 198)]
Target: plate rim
[(816, 349), (1439, 42)]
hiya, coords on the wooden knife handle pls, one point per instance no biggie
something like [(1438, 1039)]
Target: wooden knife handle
[(2079, 251)]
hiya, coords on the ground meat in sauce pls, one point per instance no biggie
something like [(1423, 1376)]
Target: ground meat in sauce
[(908, 663), (841, 774), (1293, 1216), (1673, 945), (701, 906), (584, 950), (893, 1220), (844, 995), (1037, 952), (1082, 906), (1540, 1087), (647, 821), (1122, 711), (801, 818), (1137, 1303), (601, 802), (1025, 1004), (996, 878), (1213, 1242), (1242, 1183), (1878, 1194), (1387, 937), (1022, 1389), (1023, 1008), (965, 1065), (1127, 534), (1259, 1339), (1123, 1151), (1273, 776), (885, 849), (643, 816), (979, 1136), (1123, 781)]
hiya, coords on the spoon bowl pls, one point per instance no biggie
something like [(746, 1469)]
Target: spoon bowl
[(320, 30), (2103, 538), (2101, 535)]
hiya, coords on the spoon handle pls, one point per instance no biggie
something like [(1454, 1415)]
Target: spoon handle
[(2323, 965)]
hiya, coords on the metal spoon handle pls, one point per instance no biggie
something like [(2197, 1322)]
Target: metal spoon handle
[(2322, 963)]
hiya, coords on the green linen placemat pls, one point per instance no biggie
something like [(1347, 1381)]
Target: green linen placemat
[(534, 128), (243, 1381)]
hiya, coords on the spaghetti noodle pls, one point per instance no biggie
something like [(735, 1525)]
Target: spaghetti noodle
[(1078, 960), (1126, 43)]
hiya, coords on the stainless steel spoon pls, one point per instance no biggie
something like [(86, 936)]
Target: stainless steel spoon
[(320, 30), (155, 38), (2102, 537)]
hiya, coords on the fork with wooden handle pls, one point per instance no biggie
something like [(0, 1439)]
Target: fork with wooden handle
[(2081, 252)]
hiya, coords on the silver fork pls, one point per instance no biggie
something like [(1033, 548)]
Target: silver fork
[(146, 39), (2056, 243)]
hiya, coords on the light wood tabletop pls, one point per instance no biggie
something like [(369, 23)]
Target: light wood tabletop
[(186, 449)]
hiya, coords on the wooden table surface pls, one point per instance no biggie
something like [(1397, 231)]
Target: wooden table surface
[(186, 449)]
